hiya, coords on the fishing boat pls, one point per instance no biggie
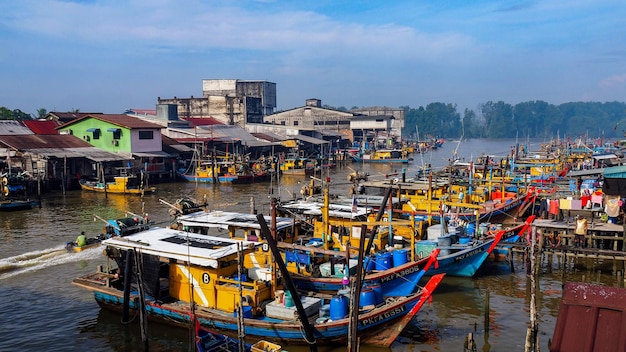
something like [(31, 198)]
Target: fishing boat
[(13, 193), (174, 261), (460, 254), (12, 204), (212, 341), (383, 156), (113, 227), (227, 171), (323, 261), (125, 183), (293, 165)]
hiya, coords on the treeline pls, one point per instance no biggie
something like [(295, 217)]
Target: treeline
[(533, 119)]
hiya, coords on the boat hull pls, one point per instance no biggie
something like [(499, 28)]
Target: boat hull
[(14, 205), (285, 331)]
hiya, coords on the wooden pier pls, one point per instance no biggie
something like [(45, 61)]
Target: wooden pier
[(603, 245)]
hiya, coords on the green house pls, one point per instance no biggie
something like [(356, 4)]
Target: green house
[(116, 133)]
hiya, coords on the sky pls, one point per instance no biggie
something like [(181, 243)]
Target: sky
[(112, 55)]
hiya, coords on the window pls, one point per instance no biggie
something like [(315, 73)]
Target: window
[(146, 134), (295, 123)]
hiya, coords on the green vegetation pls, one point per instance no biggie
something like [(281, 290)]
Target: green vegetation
[(17, 114), (534, 119)]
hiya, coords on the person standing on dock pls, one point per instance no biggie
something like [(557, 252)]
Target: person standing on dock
[(580, 232)]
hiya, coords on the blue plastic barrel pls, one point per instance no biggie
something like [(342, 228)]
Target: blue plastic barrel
[(367, 298), (400, 256), (371, 263), (378, 291), (384, 261), (247, 312), (338, 307)]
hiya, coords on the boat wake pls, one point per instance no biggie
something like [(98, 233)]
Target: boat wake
[(37, 260)]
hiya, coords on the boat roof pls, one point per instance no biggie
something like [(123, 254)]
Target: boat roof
[(185, 246), (334, 210), (226, 220)]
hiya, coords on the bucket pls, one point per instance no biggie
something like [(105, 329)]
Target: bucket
[(324, 310), (378, 291), (400, 256), (279, 296), (247, 312), (464, 240), (338, 307), (367, 298), (384, 261), (288, 299)]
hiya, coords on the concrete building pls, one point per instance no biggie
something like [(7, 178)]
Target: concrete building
[(397, 123), (312, 119), (231, 101)]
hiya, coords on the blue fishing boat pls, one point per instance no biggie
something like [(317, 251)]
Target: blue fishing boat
[(463, 255)]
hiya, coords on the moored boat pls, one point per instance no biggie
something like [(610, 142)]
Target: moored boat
[(125, 183), (383, 156), (176, 262), (463, 255)]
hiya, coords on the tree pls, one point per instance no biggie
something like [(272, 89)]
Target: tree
[(41, 113)]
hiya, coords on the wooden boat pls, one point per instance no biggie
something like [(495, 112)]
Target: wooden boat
[(13, 193), (212, 341), (297, 166), (125, 183), (113, 227), (14, 204), (227, 171), (172, 260), (463, 255), (383, 156)]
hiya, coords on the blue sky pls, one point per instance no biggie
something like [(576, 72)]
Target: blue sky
[(111, 55)]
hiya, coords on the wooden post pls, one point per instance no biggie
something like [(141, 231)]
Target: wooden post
[(532, 338)]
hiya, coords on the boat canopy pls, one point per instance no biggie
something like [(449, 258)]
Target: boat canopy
[(226, 220), (183, 246)]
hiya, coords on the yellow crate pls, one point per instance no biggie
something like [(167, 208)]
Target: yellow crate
[(265, 346)]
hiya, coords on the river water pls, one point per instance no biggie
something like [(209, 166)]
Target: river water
[(41, 310)]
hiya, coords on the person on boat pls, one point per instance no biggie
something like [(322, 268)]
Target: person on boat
[(81, 240), (492, 231)]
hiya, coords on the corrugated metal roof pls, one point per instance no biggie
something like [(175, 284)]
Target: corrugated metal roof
[(91, 153), (591, 318), (12, 127), (270, 137), (121, 120), (42, 126), (311, 140), (26, 142), (203, 121)]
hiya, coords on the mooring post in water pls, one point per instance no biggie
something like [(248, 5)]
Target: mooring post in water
[(487, 308), (127, 283), (271, 241)]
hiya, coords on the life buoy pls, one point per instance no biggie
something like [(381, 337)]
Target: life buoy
[(5, 181)]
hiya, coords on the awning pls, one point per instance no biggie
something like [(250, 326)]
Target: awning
[(91, 153), (154, 154), (93, 130), (311, 140), (114, 130)]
